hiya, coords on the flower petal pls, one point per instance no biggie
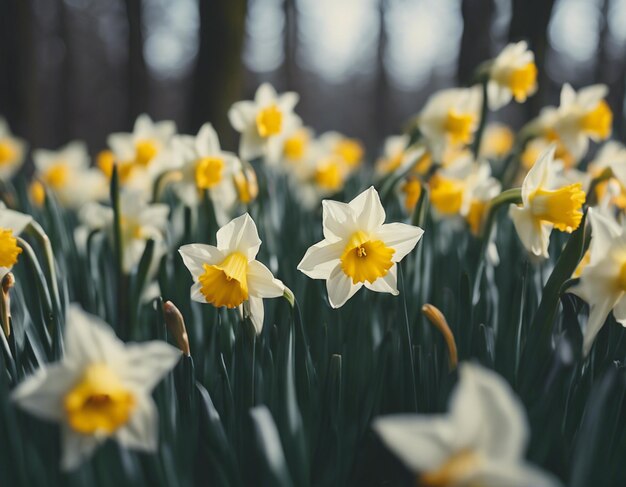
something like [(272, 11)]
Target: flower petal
[(207, 143), (144, 364), (534, 235), (241, 115), (239, 235), (400, 237), (539, 174), (14, 220), (77, 448), (262, 283), (320, 259), (340, 287), (369, 211), (386, 284), (195, 255), (337, 220), (141, 432), (597, 317)]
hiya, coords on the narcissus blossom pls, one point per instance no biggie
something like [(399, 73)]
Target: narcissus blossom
[(481, 441), (513, 74), (67, 173), (12, 151), (603, 279), (450, 119), (358, 249), (229, 274), (100, 389), (12, 223), (397, 154), (545, 206), (264, 122)]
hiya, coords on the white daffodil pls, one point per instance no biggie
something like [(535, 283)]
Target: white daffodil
[(449, 119), (603, 279), (100, 389), (497, 141), (481, 441), (358, 248), (513, 74), (12, 151), (264, 122), (141, 155), (545, 206), (582, 116), (67, 174), (228, 275), (140, 222), (12, 223), (397, 154), (205, 166), (297, 147), (349, 151)]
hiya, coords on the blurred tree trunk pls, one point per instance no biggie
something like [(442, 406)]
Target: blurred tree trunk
[(137, 72), (217, 81), (476, 38), (529, 21), (290, 36), (382, 83)]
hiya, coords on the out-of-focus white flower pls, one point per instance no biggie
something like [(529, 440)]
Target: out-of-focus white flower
[(612, 155), (264, 122), (297, 147), (12, 223), (204, 166), (603, 279), (481, 441), (67, 174), (449, 119), (581, 116), (349, 151), (545, 207), (229, 274), (397, 154), (497, 141), (101, 389), (12, 152), (358, 248), (513, 74), (140, 222)]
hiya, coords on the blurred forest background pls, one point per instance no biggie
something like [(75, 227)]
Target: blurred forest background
[(84, 68)]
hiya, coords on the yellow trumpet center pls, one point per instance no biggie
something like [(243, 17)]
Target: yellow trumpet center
[(452, 471), (328, 175), (56, 175), (561, 207), (37, 193), (412, 190), (350, 151), (8, 248), (208, 172), (269, 121), (522, 81), (246, 185), (8, 153), (145, 150), (598, 121), (295, 146), (459, 126), (226, 284), (364, 259), (446, 195), (475, 215), (99, 402)]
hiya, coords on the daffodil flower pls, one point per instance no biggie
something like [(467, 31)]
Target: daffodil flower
[(12, 223), (513, 74), (205, 166), (264, 122), (358, 249), (296, 147), (229, 274), (348, 151), (100, 389), (481, 441), (12, 151), (449, 119), (612, 155), (545, 206), (603, 279), (497, 141), (397, 154), (67, 174)]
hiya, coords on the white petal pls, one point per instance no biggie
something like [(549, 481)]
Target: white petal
[(241, 115), (42, 393), (14, 220), (568, 95), (239, 235), (144, 364), (320, 259), (534, 235), (262, 283), (251, 145), (196, 255), (422, 443), (619, 311), (196, 295), (386, 284), (597, 317), (337, 220), (539, 174), (604, 232), (207, 142), (340, 287), (369, 211), (401, 237), (265, 94), (257, 312), (288, 100), (141, 432), (76, 448)]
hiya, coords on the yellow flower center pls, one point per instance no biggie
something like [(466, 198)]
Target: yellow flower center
[(459, 126), (412, 190), (475, 215), (145, 150), (37, 193), (99, 402), (446, 195), (269, 121), (106, 162), (131, 228), (621, 280), (226, 284), (8, 153), (8, 248), (364, 259), (56, 175), (246, 185), (328, 175), (598, 121), (423, 164), (498, 141), (561, 207), (391, 163), (522, 81), (350, 150), (295, 146), (584, 262), (453, 470), (209, 172)]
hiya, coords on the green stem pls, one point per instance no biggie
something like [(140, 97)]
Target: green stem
[(44, 241)]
